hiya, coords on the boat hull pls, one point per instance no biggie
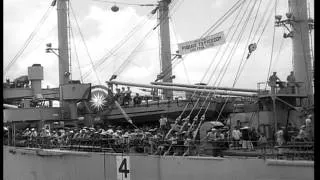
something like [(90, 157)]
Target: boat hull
[(36, 164)]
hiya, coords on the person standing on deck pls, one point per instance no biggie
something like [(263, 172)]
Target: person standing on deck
[(219, 143), (127, 96), (291, 83), (163, 123), (309, 128), (279, 137), (137, 100), (262, 143), (117, 95), (273, 82), (122, 95), (236, 134), (210, 139)]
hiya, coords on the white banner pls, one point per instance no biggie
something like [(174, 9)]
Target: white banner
[(203, 43)]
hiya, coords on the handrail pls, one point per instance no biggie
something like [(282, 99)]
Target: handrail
[(290, 150)]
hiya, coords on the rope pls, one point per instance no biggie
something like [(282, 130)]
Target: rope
[(273, 36), (233, 47), (264, 15), (218, 23), (228, 61), (280, 49), (41, 40), (234, 84), (247, 43), (224, 17), (85, 45), (124, 3), (69, 35), (175, 34), (129, 58), (30, 38), (306, 64), (120, 43), (126, 62), (76, 54), (265, 25), (180, 116)]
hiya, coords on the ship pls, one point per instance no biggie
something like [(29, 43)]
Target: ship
[(85, 104)]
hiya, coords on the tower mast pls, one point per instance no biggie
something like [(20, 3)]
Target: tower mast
[(165, 49), (62, 11), (301, 48)]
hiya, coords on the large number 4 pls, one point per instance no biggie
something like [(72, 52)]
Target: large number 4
[(123, 168)]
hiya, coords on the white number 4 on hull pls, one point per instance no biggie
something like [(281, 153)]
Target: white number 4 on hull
[(123, 167)]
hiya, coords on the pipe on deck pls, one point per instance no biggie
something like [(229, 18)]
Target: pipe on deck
[(218, 92), (205, 87), (9, 106)]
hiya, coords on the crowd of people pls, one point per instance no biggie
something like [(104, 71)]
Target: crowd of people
[(155, 139), (124, 97)]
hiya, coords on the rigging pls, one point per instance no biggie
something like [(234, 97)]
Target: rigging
[(83, 40), (30, 38)]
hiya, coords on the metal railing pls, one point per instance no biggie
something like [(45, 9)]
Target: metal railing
[(289, 150)]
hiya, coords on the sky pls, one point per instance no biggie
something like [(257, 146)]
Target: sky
[(102, 30)]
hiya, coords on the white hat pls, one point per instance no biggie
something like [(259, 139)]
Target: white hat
[(110, 131), (308, 121)]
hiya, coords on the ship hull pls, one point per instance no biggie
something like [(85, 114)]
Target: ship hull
[(36, 164)]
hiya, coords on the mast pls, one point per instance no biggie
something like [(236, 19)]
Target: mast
[(62, 11), (165, 49), (64, 73), (301, 48)]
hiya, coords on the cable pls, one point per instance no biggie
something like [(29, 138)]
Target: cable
[(280, 49), (120, 43), (180, 116), (126, 62), (30, 38), (75, 50), (238, 40), (69, 35), (223, 18), (124, 3), (232, 49), (232, 10), (129, 58), (228, 97), (273, 37), (40, 41), (82, 38), (247, 43), (220, 113)]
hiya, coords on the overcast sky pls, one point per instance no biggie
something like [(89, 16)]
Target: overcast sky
[(103, 29)]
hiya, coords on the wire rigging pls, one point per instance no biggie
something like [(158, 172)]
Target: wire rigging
[(273, 39), (240, 35), (30, 38), (122, 42), (228, 97), (129, 58), (242, 64), (236, 78), (203, 116), (76, 54), (83, 40)]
